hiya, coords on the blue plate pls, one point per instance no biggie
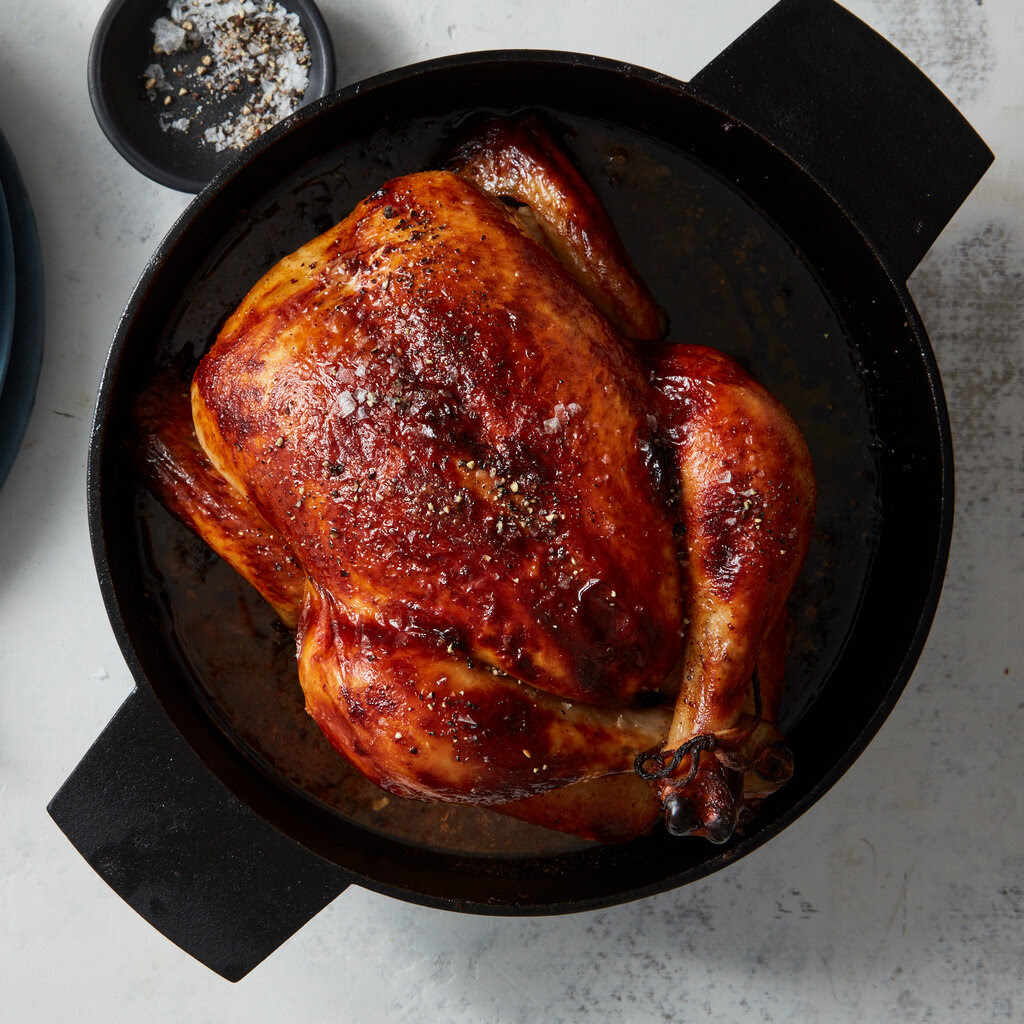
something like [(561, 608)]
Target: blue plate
[(6, 287), (26, 350)]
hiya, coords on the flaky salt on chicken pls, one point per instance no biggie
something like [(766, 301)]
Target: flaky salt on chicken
[(537, 559)]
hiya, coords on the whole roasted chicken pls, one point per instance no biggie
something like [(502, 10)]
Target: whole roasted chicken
[(537, 559)]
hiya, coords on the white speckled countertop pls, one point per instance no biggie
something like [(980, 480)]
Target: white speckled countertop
[(898, 897)]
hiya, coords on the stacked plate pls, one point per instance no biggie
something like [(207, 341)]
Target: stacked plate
[(21, 309)]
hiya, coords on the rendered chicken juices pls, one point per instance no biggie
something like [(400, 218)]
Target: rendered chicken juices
[(524, 538)]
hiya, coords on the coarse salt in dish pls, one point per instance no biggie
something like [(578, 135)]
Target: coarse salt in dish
[(227, 70)]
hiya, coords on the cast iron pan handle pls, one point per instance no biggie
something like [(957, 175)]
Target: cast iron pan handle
[(858, 115), (181, 850)]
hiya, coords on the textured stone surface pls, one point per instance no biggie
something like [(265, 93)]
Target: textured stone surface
[(899, 896)]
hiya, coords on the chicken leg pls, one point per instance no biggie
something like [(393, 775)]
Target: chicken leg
[(746, 507)]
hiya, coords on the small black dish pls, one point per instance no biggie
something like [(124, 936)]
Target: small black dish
[(121, 50)]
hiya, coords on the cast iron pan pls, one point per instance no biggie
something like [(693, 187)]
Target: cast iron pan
[(776, 205)]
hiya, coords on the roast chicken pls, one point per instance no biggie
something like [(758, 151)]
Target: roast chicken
[(537, 559)]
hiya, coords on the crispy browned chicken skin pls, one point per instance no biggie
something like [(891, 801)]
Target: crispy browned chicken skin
[(511, 539)]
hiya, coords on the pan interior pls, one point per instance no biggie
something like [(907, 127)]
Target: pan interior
[(727, 276)]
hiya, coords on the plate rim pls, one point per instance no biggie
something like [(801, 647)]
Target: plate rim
[(8, 286), (20, 385)]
